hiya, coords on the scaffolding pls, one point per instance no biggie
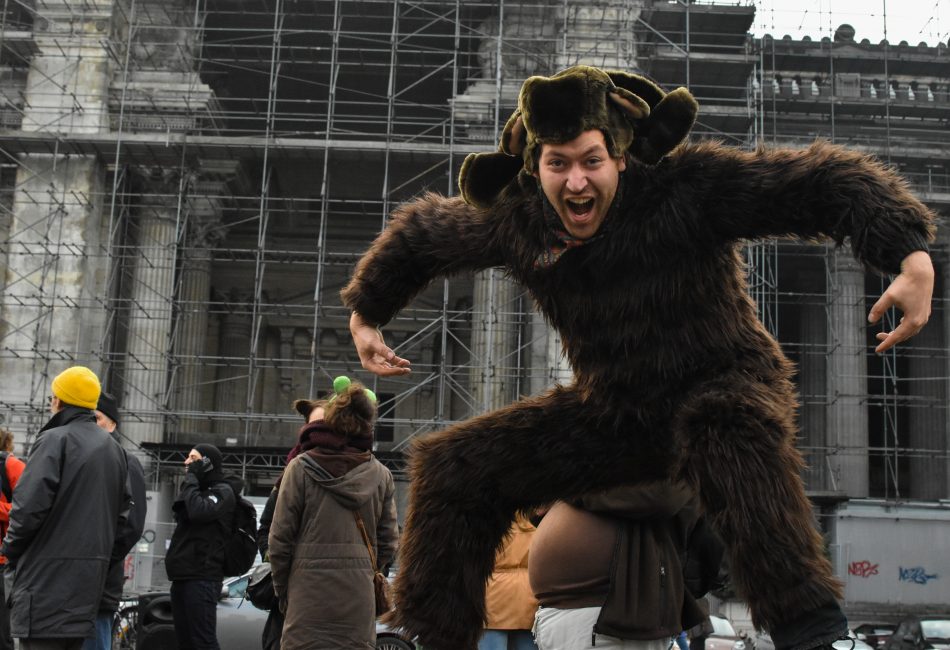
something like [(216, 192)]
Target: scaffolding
[(186, 185)]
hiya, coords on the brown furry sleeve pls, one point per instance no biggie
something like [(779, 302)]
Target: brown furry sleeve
[(820, 191), (429, 237)]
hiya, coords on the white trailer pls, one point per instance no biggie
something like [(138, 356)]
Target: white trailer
[(893, 556)]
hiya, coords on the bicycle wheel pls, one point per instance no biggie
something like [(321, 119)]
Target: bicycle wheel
[(123, 628), (392, 643)]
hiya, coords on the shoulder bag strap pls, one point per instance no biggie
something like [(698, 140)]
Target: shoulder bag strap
[(369, 547)]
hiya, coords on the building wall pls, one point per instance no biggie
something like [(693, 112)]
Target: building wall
[(894, 556), (230, 165)]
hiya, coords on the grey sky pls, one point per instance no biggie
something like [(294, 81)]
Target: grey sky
[(907, 20)]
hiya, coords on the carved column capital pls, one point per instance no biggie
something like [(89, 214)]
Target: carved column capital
[(162, 186)]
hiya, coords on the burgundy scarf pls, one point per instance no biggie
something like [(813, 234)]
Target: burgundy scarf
[(332, 450)]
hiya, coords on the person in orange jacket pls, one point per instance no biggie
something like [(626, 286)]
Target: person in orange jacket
[(510, 605), (12, 468)]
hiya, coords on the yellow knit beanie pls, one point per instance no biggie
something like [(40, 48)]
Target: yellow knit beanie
[(78, 386)]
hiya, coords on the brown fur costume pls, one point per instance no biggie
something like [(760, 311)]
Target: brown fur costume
[(674, 373)]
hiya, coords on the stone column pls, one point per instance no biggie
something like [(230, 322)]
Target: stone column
[(192, 370), (232, 380), (813, 379), (495, 317), (847, 439), (51, 314), (926, 434), (192, 330), (12, 88), (287, 356), (160, 90), (944, 269), (547, 364), (151, 306)]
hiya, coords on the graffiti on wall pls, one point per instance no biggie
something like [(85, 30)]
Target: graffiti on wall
[(917, 575), (862, 569)]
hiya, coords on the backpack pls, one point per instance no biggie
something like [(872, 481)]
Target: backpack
[(240, 546)]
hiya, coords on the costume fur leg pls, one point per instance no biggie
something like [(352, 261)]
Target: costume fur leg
[(736, 437), (740, 451), (467, 483)]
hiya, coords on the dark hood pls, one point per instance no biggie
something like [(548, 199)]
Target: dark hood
[(352, 489)]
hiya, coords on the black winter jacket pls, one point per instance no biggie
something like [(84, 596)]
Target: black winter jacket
[(128, 535), (203, 514), (68, 507), (263, 527)]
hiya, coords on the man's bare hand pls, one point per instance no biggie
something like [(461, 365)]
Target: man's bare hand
[(374, 355), (911, 292)]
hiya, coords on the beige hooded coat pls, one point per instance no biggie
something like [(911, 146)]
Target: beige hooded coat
[(319, 562)]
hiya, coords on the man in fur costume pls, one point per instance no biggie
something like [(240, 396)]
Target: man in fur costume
[(628, 241)]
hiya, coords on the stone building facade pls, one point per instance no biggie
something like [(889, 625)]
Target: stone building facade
[(185, 191)]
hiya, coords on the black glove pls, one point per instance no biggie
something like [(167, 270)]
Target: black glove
[(200, 467)]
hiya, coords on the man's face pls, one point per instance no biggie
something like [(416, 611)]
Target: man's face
[(104, 421), (580, 180), (192, 456), (55, 405)]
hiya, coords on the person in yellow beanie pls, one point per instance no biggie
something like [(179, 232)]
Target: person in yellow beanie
[(66, 519), (77, 386)]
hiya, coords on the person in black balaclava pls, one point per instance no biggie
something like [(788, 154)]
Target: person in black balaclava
[(209, 466), (192, 562)]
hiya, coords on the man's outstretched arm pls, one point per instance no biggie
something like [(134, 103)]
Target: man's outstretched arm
[(429, 237), (823, 192), (375, 355), (911, 292)]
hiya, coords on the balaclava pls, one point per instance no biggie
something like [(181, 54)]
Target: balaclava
[(216, 472)]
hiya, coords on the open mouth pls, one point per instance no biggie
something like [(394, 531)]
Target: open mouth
[(578, 207)]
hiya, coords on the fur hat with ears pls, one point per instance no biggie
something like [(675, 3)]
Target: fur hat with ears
[(306, 406), (634, 114)]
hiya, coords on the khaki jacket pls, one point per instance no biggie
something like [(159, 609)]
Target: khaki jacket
[(319, 562), (509, 602)]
